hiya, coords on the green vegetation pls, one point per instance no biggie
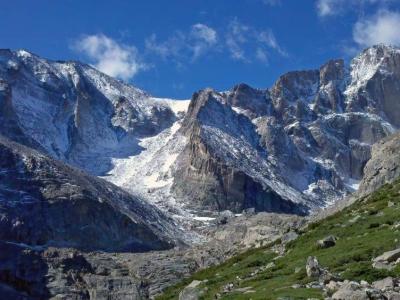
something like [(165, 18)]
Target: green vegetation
[(365, 230)]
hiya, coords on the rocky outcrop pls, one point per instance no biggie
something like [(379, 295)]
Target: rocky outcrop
[(387, 260), (191, 291), (43, 202), (313, 268), (351, 291), (41, 273), (383, 167)]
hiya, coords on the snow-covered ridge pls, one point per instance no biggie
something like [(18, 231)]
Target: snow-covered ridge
[(364, 66), (149, 174)]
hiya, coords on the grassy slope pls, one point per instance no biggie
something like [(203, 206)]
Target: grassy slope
[(360, 239)]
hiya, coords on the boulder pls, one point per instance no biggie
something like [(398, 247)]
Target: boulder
[(387, 260), (350, 291), (382, 265), (327, 242), (313, 268), (384, 284), (332, 286), (288, 237), (191, 292), (224, 217), (393, 296), (389, 256)]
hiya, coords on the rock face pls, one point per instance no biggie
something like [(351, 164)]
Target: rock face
[(384, 166), (45, 203), (283, 149)]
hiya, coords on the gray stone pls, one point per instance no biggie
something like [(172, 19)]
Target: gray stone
[(384, 284), (350, 291), (313, 268), (392, 295), (382, 265), (224, 216), (290, 236), (191, 292), (389, 256), (332, 286), (327, 242)]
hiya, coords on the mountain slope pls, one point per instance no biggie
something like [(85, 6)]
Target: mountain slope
[(363, 231), (44, 202), (76, 113)]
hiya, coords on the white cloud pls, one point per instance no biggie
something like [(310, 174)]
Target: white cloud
[(261, 55), (236, 38), (272, 2), (110, 57), (245, 42), (202, 39), (380, 28), (326, 8), (269, 39), (204, 33), (240, 41), (171, 47), (184, 45)]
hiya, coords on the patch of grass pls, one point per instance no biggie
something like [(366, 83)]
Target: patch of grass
[(358, 242)]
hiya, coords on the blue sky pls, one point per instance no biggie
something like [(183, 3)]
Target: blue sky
[(173, 48)]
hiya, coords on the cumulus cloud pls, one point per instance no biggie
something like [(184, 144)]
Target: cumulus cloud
[(327, 8), (184, 45), (109, 56), (380, 28)]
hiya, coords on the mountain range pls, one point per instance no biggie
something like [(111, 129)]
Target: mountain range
[(95, 164)]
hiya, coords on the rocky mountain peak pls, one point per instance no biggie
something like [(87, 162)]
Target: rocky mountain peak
[(333, 70), (253, 102), (374, 83), (77, 113), (296, 85)]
